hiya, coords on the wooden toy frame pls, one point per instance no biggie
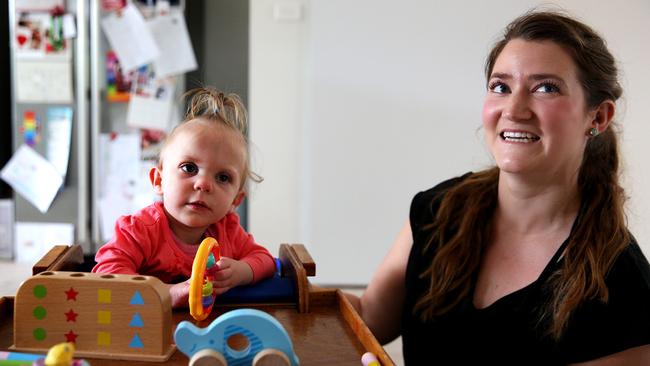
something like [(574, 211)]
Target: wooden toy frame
[(323, 325)]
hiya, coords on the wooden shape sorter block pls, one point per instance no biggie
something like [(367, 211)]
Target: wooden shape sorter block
[(105, 315)]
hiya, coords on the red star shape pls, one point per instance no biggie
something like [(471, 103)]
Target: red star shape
[(71, 294), (71, 337), (71, 316)]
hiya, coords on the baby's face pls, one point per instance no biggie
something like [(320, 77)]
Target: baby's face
[(201, 175)]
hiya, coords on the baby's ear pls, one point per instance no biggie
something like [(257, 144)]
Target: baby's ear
[(155, 176), (238, 200)]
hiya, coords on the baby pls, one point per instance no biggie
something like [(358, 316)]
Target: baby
[(201, 174)]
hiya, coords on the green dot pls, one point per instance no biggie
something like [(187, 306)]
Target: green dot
[(39, 312), (40, 291), (39, 334)]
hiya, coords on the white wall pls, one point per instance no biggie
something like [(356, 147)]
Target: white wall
[(360, 104)]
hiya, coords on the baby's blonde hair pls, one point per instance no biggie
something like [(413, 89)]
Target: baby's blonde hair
[(225, 110)]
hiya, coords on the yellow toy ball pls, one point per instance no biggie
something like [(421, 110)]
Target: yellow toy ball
[(60, 355)]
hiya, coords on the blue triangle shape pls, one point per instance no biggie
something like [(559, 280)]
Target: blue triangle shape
[(136, 342), (136, 321), (136, 299)]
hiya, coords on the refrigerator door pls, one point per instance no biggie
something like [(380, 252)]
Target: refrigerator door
[(46, 78)]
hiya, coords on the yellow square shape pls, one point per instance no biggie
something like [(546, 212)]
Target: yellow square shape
[(104, 317), (104, 296), (103, 338)]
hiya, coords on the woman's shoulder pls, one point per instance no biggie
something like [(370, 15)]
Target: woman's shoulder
[(442, 187), (423, 204), (599, 328), (631, 268)]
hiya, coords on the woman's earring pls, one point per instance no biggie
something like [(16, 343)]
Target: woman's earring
[(593, 132)]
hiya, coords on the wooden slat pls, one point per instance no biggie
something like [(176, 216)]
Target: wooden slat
[(359, 328), (292, 267), (60, 258), (306, 259), (49, 258), (6, 307), (321, 296)]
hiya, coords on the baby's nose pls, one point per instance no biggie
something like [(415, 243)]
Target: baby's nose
[(203, 183)]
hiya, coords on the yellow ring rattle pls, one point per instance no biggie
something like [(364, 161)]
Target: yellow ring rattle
[(199, 282)]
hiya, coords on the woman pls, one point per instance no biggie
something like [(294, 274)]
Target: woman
[(529, 262)]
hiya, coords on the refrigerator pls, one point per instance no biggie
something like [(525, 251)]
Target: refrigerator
[(68, 106)]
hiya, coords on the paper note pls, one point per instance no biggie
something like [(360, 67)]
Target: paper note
[(176, 53), (34, 239), (45, 80), (69, 26), (125, 186), (33, 177), (151, 104), (119, 159), (130, 37), (119, 168), (38, 5), (59, 132)]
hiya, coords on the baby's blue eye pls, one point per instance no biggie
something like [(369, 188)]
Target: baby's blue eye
[(223, 178), (190, 168)]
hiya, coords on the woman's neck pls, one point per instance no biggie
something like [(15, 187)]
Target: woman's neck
[(529, 207)]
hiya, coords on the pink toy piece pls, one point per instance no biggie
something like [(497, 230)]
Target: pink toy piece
[(369, 359)]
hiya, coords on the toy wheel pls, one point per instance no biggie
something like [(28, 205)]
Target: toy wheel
[(197, 310), (271, 357), (208, 357)]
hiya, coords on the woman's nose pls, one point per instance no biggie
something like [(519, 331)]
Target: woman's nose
[(517, 107)]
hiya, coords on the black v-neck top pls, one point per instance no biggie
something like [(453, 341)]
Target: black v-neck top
[(508, 332)]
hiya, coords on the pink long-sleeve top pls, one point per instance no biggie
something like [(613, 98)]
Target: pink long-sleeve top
[(144, 244)]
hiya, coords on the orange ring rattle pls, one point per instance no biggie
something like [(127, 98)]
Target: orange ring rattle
[(199, 282)]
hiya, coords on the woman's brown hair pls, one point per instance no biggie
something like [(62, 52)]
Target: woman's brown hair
[(461, 228)]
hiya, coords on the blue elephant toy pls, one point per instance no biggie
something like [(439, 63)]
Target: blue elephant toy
[(262, 331)]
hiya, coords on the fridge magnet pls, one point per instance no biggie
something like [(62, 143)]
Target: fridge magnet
[(110, 5), (30, 129), (118, 83), (30, 33), (56, 40), (40, 34)]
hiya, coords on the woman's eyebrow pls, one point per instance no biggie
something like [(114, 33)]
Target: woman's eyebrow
[(501, 75), (534, 77), (546, 76)]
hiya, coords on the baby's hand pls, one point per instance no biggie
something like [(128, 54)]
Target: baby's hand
[(229, 273), (180, 294)]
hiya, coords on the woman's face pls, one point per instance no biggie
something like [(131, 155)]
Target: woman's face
[(535, 115)]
